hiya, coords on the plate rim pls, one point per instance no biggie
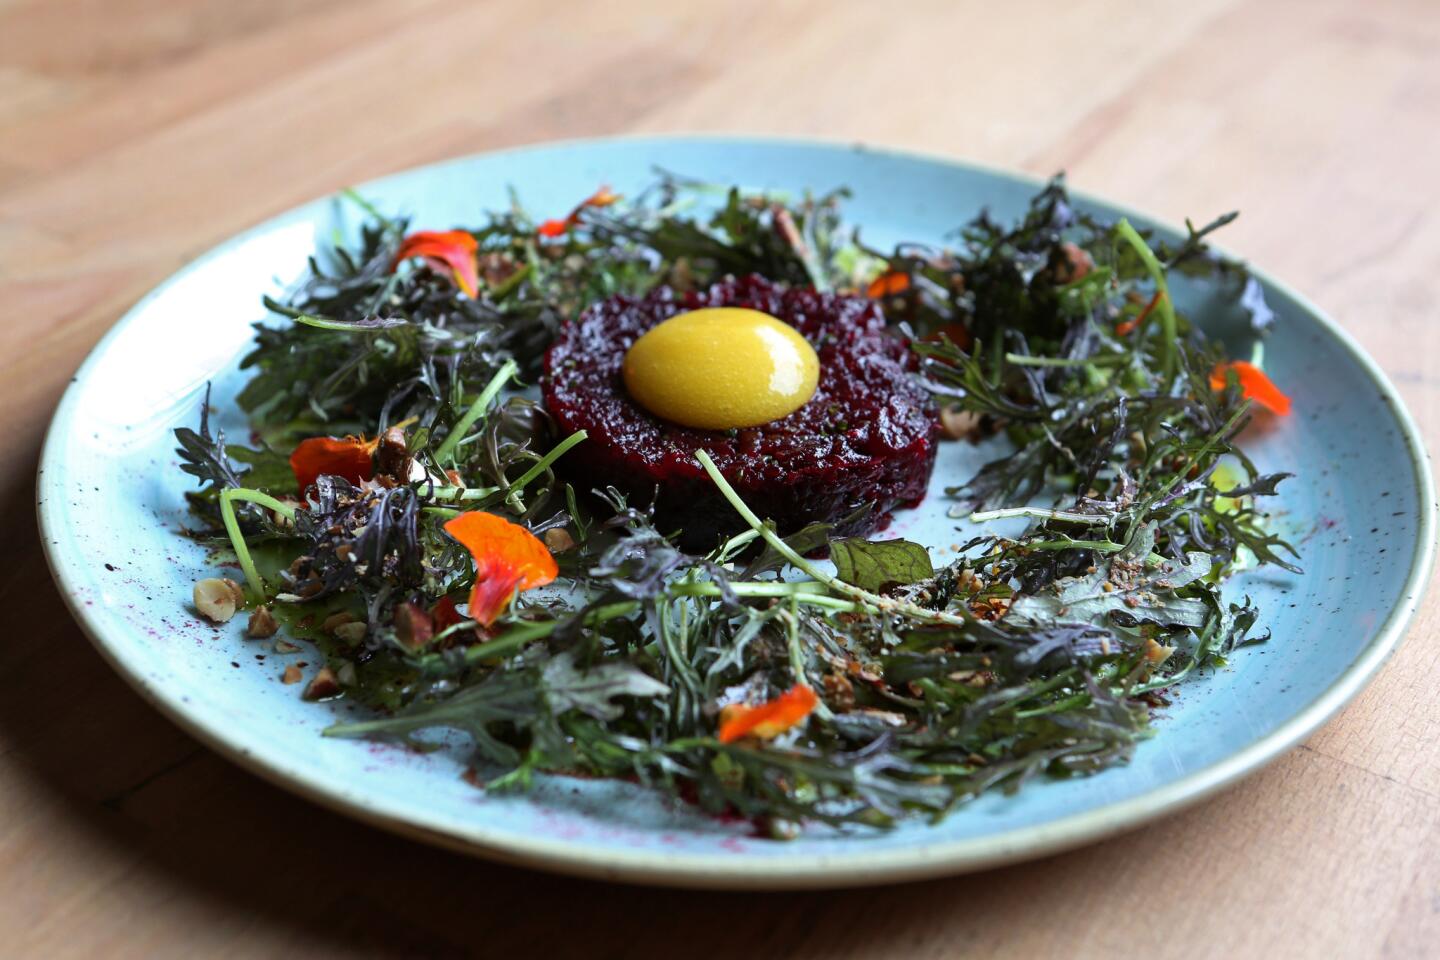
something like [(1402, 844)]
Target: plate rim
[(808, 871)]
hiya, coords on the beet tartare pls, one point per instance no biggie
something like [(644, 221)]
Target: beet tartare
[(867, 435)]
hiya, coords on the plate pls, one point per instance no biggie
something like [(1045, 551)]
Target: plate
[(111, 504)]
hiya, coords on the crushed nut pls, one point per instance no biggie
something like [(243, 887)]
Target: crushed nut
[(335, 620), (262, 623), (778, 828), (888, 717), (285, 646), (839, 691), (496, 268), (218, 598), (992, 609), (682, 275), (324, 684), (558, 540), (1077, 265), (392, 457), (788, 230), (958, 424), (351, 633), (872, 673), (292, 674), (283, 520), (1155, 653)]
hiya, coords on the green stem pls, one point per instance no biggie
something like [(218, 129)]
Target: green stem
[(1038, 513), (463, 494), (1059, 706), (1102, 546), (510, 283), (237, 539), (730, 547), (543, 464), (523, 633), (326, 323), (1168, 326), (1152, 559), (518, 636), (1204, 451), (1105, 359), (796, 591), (512, 494), (476, 411), (872, 600)]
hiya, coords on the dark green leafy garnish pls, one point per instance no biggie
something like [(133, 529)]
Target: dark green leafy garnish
[(751, 679)]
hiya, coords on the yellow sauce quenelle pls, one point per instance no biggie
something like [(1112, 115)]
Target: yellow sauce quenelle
[(721, 367)]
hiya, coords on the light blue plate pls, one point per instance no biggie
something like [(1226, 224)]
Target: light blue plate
[(111, 503)]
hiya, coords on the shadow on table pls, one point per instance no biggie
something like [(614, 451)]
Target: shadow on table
[(113, 784)]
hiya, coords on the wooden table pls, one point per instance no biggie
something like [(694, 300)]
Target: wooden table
[(136, 133)]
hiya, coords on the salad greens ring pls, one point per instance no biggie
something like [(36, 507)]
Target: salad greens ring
[(403, 506)]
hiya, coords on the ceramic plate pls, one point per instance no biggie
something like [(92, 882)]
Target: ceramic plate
[(111, 504)]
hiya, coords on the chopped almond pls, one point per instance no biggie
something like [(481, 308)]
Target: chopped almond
[(558, 539), (392, 456), (262, 623), (323, 685), (1077, 265), (1156, 653), (351, 633), (337, 620), (215, 600), (958, 424)]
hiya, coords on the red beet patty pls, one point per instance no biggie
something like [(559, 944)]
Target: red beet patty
[(867, 435)]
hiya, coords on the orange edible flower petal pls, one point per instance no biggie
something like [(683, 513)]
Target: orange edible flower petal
[(1253, 384), (1124, 328), (351, 457), (600, 198), (454, 250), (770, 719), (508, 559), (603, 197), (888, 284)]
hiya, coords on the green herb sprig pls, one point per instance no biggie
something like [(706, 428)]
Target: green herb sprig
[(1041, 653)]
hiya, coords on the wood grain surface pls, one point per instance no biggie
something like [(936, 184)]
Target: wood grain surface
[(136, 133)]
